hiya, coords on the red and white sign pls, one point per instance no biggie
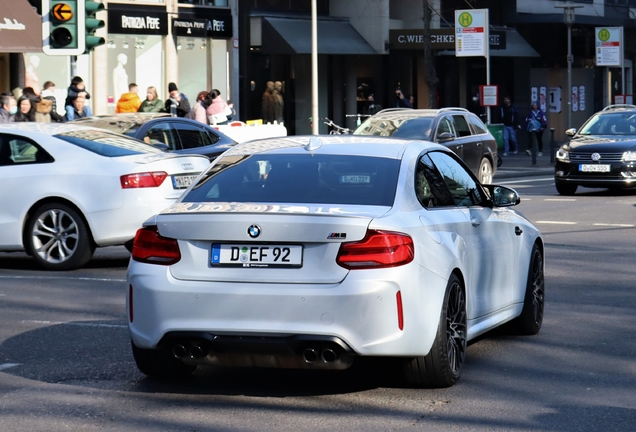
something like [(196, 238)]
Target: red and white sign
[(609, 46), (488, 95)]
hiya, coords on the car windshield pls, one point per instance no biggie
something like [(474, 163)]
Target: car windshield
[(299, 179), (106, 143), (409, 128), (616, 123)]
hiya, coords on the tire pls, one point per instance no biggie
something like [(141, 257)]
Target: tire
[(485, 171), (566, 189), (160, 363), (57, 237), (531, 318), (441, 367)]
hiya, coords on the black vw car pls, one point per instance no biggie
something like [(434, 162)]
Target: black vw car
[(180, 135), (456, 128), (601, 154)]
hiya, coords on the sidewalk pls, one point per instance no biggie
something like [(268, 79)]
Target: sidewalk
[(520, 165)]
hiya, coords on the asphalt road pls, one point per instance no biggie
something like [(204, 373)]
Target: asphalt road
[(65, 362)]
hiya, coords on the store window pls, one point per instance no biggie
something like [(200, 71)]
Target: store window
[(135, 59)]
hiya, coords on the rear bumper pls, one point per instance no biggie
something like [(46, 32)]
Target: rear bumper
[(361, 312)]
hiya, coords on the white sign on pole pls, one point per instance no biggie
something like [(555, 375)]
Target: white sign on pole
[(609, 46), (582, 98), (555, 99), (542, 99), (575, 99), (471, 33), (534, 95)]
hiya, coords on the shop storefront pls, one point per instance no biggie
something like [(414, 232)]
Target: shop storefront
[(202, 37), (135, 49)]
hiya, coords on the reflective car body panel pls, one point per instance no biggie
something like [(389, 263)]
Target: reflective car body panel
[(437, 203)]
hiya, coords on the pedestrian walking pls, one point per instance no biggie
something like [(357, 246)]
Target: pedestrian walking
[(371, 107), (510, 120), (536, 124), (198, 111), (43, 109), (218, 111), (401, 102), (177, 104), (49, 94), (80, 110), (152, 103), (77, 86)]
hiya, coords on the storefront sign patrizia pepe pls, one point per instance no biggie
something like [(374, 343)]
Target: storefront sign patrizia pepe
[(148, 20)]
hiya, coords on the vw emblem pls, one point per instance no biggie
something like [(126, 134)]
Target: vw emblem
[(254, 231), (187, 166), (596, 157)]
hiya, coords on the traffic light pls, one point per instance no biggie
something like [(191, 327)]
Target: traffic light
[(63, 27), (91, 24)]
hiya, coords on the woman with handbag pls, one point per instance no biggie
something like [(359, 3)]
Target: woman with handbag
[(218, 111), (536, 123)]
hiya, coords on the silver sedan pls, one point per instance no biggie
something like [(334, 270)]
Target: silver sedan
[(310, 252)]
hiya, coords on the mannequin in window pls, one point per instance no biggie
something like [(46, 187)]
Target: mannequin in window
[(120, 77), (31, 76), (279, 102), (269, 101)]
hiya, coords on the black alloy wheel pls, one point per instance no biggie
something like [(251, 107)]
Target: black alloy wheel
[(531, 318)]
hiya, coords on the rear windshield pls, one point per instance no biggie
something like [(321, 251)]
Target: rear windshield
[(301, 179), (107, 144), (408, 128)]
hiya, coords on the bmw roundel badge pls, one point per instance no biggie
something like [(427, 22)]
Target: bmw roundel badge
[(254, 231)]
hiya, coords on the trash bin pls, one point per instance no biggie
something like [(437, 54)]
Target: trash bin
[(497, 131)]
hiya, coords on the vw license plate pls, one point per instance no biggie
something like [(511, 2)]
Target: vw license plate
[(594, 168), (236, 255), (183, 181)]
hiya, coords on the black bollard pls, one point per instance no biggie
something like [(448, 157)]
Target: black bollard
[(552, 149), (535, 148)]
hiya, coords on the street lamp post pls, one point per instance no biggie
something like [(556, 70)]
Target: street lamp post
[(568, 19)]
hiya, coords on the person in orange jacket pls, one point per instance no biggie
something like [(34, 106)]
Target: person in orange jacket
[(129, 102)]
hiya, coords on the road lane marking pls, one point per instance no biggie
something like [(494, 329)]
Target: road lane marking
[(74, 324), (8, 365), (63, 278), (556, 222), (560, 199), (615, 225), (529, 181)]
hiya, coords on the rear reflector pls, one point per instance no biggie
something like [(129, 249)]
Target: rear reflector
[(398, 299), (378, 249), (130, 303), (150, 247), (143, 180)]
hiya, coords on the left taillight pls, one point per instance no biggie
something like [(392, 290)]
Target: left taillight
[(150, 247), (378, 249), (143, 180)]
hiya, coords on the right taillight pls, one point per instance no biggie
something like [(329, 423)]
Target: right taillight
[(378, 249), (143, 180), (150, 247)]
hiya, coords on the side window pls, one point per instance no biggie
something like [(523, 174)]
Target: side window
[(461, 125), (162, 133), (445, 125), (430, 188), (478, 127), (18, 150), (214, 138), (463, 188), (191, 136)]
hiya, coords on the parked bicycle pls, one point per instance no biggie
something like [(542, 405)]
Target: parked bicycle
[(335, 129)]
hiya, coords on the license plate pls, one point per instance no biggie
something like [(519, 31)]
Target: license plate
[(183, 181), (257, 256), (594, 168)]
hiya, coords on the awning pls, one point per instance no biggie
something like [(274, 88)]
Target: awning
[(516, 46), (293, 36), (20, 27)]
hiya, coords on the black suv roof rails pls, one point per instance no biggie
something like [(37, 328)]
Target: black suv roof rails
[(615, 106)]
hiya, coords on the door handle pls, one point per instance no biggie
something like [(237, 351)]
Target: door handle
[(518, 230), (478, 144), (475, 221)]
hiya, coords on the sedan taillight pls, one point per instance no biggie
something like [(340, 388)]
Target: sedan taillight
[(143, 180), (150, 247), (378, 249)]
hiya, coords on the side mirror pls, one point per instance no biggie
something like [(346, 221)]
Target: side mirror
[(161, 146), (503, 196), (445, 136), (570, 132)]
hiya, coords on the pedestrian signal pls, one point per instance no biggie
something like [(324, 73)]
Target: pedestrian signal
[(61, 24)]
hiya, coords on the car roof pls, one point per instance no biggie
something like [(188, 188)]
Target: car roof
[(403, 113), (42, 128), (353, 145), (123, 122)]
